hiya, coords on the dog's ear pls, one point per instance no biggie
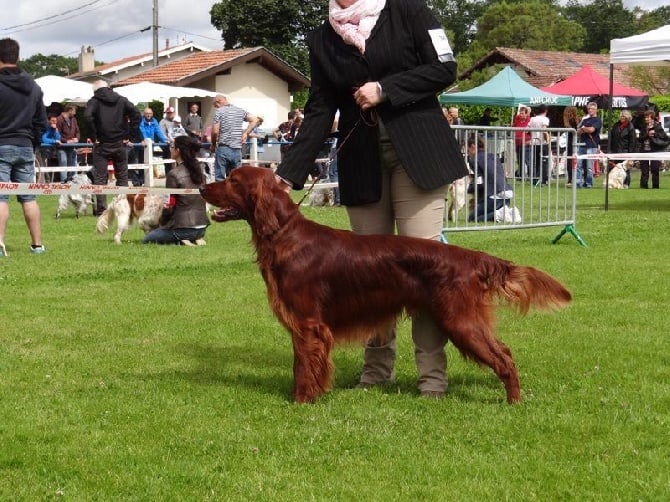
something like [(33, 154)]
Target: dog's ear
[(266, 208)]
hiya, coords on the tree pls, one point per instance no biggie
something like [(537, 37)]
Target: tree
[(647, 21), (40, 65), (459, 19), (603, 21), (279, 26), (536, 25)]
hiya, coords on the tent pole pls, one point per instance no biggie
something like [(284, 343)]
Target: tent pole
[(609, 139)]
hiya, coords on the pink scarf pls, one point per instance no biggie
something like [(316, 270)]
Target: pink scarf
[(354, 23)]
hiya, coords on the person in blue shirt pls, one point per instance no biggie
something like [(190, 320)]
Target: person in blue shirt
[(589, 139), (51, 137), (150, 129)]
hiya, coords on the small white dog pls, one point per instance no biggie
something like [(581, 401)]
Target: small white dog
[(617, 175), (79, 201), (146, 209), (458, 196)]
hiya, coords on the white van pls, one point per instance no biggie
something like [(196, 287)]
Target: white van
[(664, 119)]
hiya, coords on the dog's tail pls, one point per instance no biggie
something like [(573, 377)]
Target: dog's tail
[(526, 287), (105, 220)]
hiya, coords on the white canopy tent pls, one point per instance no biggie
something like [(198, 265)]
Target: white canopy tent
[(144, 92), (651, 48), (59, 89)]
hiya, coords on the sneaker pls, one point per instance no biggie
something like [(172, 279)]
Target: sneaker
[(38, 250)]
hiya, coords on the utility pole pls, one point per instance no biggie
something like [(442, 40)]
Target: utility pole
[(155, 32)]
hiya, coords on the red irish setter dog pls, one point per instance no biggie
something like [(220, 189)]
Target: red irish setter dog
[(327, 285)]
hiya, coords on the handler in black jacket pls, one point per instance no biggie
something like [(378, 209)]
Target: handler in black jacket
[(382, 63), (112, 119)]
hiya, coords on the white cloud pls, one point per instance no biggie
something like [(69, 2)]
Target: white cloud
[(111, 27)]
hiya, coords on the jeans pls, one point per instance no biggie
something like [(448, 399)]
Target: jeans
[(17, 164), (540, 163), (523, 159), (173, 235), (486, 208), (227, 159), (333, 178), (66, 157), (585, 170)]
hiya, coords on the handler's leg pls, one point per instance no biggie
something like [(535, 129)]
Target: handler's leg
[(420, 213), (379, 355)]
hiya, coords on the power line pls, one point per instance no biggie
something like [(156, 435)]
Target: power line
[(179, 30), (112, 40), (51, 17)]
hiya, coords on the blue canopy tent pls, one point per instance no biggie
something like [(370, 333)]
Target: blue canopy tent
[(507, 88)]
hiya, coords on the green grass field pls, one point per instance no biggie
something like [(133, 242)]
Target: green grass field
[(140, 372)]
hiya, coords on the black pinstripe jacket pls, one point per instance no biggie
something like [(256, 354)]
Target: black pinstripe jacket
[(400, 55)]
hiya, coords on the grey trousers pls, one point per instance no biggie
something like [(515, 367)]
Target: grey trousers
[(418, 213)]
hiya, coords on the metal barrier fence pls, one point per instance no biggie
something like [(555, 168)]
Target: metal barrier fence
[(519, 179)]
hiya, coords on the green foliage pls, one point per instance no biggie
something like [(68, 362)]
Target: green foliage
[(140, 372), (40, 65), (603, 20), (277, 26), (663, 102), (459, 19), (649, 20), (528, 25), (653, 79)]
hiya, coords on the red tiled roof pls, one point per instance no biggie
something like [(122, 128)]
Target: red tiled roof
[(542, 68), (138, 59), (200, 65)]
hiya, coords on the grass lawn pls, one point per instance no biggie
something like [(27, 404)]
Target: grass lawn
[(140, 372)]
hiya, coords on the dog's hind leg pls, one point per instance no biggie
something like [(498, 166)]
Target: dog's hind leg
[(473, 337), (312, 364), (123, 218)]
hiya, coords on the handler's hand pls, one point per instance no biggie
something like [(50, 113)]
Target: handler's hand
[(368, 95)]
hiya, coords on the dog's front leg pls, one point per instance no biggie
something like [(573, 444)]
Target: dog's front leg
[(312, 365)]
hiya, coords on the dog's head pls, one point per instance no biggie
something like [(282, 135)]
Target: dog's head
[(252, 194)]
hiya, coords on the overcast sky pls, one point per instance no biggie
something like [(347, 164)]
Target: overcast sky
[(112, 27)]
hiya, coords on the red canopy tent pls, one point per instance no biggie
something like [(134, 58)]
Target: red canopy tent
[(588, 85)]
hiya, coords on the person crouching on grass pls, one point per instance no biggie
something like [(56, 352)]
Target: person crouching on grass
[(184, 217)]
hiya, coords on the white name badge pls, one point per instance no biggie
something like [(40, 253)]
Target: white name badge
[(441, 45)]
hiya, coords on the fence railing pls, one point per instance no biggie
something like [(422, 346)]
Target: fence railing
[(520, 179)]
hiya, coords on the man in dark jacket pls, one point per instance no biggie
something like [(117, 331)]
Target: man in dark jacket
[(111, 118), (22, 122)]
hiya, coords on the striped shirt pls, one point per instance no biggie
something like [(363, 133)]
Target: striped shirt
[(230, 118)]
